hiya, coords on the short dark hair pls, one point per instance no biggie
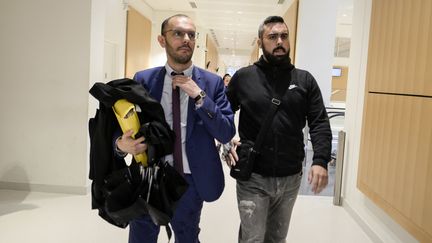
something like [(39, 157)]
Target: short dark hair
[(227, 74), (269, 20), (165, 22)]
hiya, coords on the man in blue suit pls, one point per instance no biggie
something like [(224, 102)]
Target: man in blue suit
[(205, 115)]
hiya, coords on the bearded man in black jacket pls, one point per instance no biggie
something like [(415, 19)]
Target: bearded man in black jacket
[(266, 200)]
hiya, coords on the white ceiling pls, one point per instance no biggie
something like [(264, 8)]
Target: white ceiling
[(233, 24)]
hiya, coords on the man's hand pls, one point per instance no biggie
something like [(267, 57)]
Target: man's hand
[(231, 156), (186, 84), (129, 145), (318, 178)]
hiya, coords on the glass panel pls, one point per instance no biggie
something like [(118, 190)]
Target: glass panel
[(336, 115)]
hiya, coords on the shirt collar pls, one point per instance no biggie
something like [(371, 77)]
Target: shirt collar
[(187, 72)]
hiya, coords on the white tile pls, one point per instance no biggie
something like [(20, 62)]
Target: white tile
[(63, 218), (316, 219)]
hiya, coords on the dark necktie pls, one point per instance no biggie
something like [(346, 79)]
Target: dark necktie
[(178, 159)]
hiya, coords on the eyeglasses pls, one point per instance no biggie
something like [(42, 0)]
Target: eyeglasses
[(275, 37), (178, 34)]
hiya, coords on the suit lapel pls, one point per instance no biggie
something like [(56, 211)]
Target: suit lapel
[(157, 84)]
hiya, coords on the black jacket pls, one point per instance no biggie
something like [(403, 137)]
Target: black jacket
[(104, 125), (282, 153)]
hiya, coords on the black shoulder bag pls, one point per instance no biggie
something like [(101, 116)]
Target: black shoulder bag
[(248, 150)]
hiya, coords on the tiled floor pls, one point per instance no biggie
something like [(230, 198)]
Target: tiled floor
[(62, 218)]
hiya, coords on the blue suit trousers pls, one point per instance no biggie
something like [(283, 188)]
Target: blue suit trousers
[(185, 222)]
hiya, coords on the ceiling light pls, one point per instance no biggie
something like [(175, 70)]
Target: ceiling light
[(193, 4)]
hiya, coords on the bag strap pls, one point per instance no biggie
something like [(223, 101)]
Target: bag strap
[(275, 103)]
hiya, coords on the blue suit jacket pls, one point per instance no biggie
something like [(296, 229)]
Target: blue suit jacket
[(213, 120)]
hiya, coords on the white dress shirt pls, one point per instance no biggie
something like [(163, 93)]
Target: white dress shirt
[(166, 102)]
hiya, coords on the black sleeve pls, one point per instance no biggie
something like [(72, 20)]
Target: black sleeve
[(319, 125)]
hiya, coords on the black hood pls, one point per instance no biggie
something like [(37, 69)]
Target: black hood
[(278, 76)]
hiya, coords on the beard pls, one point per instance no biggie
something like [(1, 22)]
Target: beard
[(276, 59), (182, 59)]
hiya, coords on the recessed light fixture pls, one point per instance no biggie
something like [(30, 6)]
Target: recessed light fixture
[(193, 4)]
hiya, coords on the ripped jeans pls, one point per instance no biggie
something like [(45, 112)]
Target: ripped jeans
[(265, 205)]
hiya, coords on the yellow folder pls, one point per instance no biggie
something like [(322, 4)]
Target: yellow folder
[(128, 120)]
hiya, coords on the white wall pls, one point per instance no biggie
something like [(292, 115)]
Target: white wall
[(52, 53), (96, 73), (115, 34), (376, 223), (341, 61), (44, 78), (315, 41), (199, 55), (342, 30), (157, 53)]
